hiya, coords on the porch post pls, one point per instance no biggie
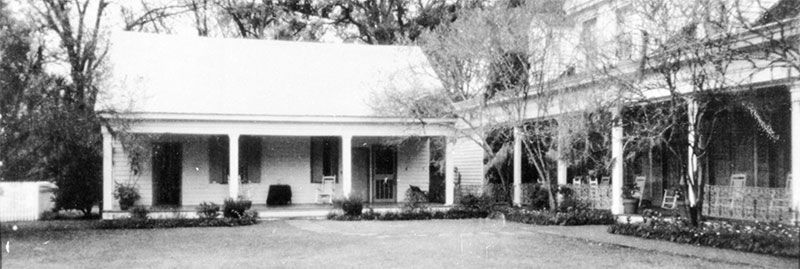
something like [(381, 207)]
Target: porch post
[(795, 136), (562, 172), (517, 167), (233, 165), (449, 172), (347, 165), (108, 180), (617, 157)]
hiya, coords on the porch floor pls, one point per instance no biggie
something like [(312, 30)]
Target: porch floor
[(293, 211)]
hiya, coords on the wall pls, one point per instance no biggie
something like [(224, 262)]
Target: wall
[(413, 164), (21, 201), (468, 158), (286, 160)]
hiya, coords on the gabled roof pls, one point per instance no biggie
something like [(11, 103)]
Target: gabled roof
[(151, 73)]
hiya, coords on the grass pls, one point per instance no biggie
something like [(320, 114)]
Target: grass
[(303, 244)]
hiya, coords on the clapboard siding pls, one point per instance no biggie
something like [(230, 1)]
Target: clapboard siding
[(413, 163), (123, 174), (287, 160), (468, 158)]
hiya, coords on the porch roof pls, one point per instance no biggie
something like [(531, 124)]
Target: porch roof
[(171, 75)]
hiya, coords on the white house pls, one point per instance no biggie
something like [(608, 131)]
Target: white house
[(271, 112), (600, 28)]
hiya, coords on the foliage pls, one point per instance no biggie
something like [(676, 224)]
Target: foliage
[(127, 195), (208, 210), (476, 203), (352, 206), (249, 218), (279, 195), (235, 208), (539, 197), (453, 213), (758, 237), (415, 198), (567, 218), (139, 212), (628, 190)]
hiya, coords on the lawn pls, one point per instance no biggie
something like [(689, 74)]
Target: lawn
[(310, 243)]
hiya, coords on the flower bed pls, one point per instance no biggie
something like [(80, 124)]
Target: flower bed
[(133, 223), (412, 215), (758, 237), (567, 218)]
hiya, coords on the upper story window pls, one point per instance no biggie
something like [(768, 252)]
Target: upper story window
[(624, 38), (588, 43), (587, 33)]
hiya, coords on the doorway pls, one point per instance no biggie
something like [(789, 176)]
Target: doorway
[(384, 174), (167, 174)]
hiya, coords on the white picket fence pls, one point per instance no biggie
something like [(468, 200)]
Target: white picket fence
[(25, 200)]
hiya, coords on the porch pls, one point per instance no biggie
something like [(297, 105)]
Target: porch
[(180, 170), (746, 170)]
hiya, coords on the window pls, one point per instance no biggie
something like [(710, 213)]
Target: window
[(624, 36), (249, 159), (588, 41), (218, 159), (324, 158)]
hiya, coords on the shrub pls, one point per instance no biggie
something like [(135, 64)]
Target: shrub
[(235, 208), (48, 215), (127, 195), (279, 195), (415, 198), (539, 197), (208, 210), (472, 202), (766, 238), (352, 206), (78, 177), (568, 218), (139, 212)]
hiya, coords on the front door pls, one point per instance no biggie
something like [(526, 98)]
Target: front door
[(384, 174), (167, 174)]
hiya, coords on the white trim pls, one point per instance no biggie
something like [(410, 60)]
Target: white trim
[(269, 118)]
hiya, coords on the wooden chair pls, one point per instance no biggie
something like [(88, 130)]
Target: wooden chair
[(593, 181), (577, 181), (325, 190), (738, 180), (641, 183), (605, 180), (670, 199)]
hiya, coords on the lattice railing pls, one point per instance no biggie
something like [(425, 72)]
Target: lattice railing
[(598, 196), (749, 203)]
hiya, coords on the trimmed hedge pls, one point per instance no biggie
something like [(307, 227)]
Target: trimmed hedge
[(565, 218), (412, 215), (765, 238), (174, 223)]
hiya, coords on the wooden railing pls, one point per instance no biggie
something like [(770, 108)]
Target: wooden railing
[(748, 203)]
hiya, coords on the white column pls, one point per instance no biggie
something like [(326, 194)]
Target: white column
[(347, 164), (562, 172), (449, 172), (795, 135), (233, 165), (617, 157), (108, 180), (517, 167), (692, 160)]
